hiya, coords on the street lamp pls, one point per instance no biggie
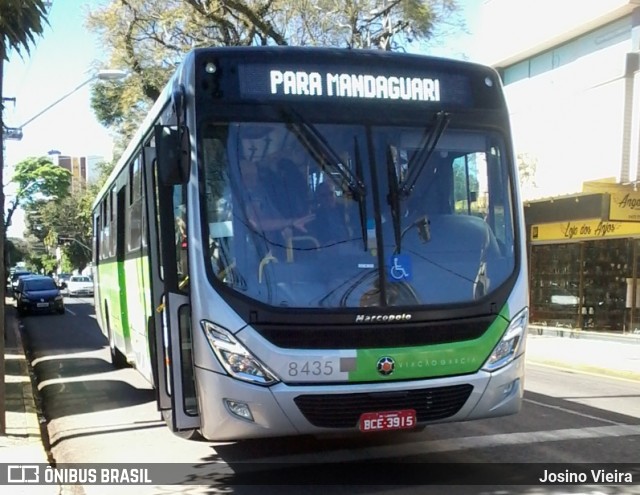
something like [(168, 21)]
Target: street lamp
[(73, 239), (103, 75)]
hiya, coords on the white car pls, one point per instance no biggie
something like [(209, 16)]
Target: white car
[(79, 285)]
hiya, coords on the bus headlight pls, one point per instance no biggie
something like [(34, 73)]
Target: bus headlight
[(511, 344), (235, 358)]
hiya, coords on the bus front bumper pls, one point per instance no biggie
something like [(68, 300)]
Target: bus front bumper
[(276, 412)]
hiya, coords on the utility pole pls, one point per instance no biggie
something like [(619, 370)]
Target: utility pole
[(10, 132), (3, 272)]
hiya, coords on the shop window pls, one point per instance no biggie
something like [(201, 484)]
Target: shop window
[(555, 285), (582, 285), (607, 265)]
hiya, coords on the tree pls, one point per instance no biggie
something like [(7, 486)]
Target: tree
[(67, 223), (35, 254), (150, 37), (20, 22), (16, 250), (104, 169), (56, 219), (383, 24), (38, 179), (41, 262), (527, 167)]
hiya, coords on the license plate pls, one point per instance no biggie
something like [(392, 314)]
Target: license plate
[(43, 305), (404, 419)]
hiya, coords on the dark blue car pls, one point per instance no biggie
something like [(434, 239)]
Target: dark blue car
[(37, 293)]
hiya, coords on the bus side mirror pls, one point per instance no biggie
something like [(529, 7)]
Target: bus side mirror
[(172, 152)]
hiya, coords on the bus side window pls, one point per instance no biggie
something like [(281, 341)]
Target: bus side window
[(180, 214)]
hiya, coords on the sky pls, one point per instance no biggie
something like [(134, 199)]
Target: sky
[(59, 61), (66, 56)]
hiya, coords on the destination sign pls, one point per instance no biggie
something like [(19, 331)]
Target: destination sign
[(312, 82), (354, 85)]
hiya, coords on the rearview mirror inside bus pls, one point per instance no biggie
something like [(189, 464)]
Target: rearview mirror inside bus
[(172, 151)]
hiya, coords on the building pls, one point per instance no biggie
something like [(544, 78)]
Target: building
[(584, 252), (570, 70), (84, 169)]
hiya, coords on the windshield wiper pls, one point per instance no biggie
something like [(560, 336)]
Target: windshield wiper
[(419, 160), (328, 159), (393, 198), (362, 203)]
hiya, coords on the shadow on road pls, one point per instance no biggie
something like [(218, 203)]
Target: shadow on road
[(579, 409), (68, 359), (71, 397), (48, 335), (69, 367)]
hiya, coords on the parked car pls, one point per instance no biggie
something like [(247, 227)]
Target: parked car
[(37, 293), (80, 285), (15, 277), (62, 279)]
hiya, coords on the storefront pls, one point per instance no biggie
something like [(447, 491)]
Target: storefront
[(583, 259)]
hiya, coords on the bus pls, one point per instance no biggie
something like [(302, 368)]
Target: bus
[(317, 241)]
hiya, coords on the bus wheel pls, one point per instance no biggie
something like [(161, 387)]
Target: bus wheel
[(118, 360), (194, 435)]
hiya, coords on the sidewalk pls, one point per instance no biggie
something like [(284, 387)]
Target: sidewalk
[(595, 352), (23, 443)]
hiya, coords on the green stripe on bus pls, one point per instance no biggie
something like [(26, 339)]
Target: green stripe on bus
[(112, 293), (451, 358)]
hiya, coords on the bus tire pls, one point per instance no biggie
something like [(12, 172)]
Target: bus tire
[(193, 435), (118, 359)]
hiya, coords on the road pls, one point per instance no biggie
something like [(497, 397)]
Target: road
[(96, 414)]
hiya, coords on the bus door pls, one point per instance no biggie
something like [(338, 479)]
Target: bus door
[(170, 325)]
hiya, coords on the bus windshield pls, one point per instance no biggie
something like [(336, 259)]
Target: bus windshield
[(324, 216)]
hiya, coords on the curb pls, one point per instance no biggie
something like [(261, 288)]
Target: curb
[(585, 368), (576, 333), (25, 426), (35, 400), (22, 421)]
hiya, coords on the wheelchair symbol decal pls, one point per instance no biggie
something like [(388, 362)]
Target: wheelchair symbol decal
[(400, 268)]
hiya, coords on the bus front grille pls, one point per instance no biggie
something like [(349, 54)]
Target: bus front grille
[(332, 336), (344, 410)]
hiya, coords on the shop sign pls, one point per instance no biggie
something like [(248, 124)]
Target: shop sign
[(579, 230), (625, 206)]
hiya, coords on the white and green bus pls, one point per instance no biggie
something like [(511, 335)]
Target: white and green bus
[(314, 240)]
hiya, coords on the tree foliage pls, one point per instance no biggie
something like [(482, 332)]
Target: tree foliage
[(75, 228), (149, 38), (37, 179), (64, 223), (41, 262), (387, 25), (17, 250), (33, 221), (20, 22), (527, 168)]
